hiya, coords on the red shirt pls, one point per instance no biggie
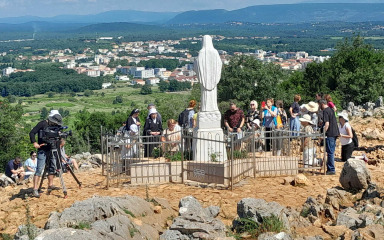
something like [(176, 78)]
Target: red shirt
[(234, 118)]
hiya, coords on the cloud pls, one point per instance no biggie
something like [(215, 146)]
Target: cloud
[(3, 4)]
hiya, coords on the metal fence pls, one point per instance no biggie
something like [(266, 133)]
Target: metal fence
[(227, 159)]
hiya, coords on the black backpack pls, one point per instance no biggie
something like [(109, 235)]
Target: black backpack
[(355, 140), (183, 118)]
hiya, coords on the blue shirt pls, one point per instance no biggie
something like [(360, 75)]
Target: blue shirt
[(31, 164), (268, 120), (11, 166)]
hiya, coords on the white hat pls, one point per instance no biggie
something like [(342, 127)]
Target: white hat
[(343, 115), (134, 128), (152, 110), (312, 106), (53, 112), (306, 118), (257, 122)]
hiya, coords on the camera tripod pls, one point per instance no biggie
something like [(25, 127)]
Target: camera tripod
[(54, 157)]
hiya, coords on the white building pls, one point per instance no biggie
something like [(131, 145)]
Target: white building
[(301, 55), (70, 65), (93, 73), (152, 80), (133, 70), (122, 78), (158, 71), (160, 49), (7, 71), (148, 73), (106, 85)]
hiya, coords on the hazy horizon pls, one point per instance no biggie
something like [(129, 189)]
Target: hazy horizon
[(50, 8)]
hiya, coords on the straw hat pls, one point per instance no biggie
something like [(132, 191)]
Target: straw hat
[(306, 118), (312, 106)]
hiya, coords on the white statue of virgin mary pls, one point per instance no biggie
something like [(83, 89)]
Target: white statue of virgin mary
[(208, 69)]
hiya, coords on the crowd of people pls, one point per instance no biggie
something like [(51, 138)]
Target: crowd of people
[(315, 116), (318, 115)]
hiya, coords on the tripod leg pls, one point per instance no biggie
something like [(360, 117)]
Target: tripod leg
[(42, 177), (74, 176), (62, 183)]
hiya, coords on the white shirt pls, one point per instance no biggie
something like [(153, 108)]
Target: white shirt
[(343, 131)]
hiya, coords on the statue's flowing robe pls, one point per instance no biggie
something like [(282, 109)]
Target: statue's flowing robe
[(208, 69)]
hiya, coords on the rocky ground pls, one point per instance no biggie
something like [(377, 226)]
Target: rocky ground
[(13, 203)]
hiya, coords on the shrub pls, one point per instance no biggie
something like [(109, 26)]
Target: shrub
[(268, 224), (304, 212), (82, 225)]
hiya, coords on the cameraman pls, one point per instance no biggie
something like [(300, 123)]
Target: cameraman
[(43, 150)]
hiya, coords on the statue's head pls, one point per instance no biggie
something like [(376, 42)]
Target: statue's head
[(207, 41)]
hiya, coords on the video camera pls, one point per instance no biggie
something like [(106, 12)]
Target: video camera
[(54, 133)]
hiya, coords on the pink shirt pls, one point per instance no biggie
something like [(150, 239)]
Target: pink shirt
[(331, 105)]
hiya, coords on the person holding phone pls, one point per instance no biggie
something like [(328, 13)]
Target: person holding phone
[(269, 115)]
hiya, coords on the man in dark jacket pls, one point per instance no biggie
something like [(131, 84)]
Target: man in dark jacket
[(43, 150)]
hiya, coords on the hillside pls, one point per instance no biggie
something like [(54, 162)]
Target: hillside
[(288, 13), (118, 27), (104, 17)]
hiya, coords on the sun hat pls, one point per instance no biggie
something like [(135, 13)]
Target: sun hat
[(312, 106), (53, 112), (57, 119), (152, 110), (343, 115), (306, 118), (134, 128)]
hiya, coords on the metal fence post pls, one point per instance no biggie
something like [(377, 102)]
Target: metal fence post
[(325, 162), (232, 148), (108, 164), (102, 150), (254, 152), (182, 155)]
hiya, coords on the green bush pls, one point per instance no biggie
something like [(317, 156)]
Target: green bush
[(268, 224)]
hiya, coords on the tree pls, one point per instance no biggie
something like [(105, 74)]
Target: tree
[(43, 113), (354, 73), (146, 89), (88, 93), (163, 85), (246, 78), (118, 100), (13, 137)]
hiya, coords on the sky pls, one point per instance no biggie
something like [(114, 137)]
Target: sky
[(49, 8)]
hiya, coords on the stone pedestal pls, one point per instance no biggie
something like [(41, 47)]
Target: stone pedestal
[(210, 145)]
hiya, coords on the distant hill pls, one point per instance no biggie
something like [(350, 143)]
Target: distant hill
[(117, 27), (39, 27), (104, 17), (288, 13)]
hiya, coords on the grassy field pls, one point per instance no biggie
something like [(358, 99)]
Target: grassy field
[(101, 101)]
